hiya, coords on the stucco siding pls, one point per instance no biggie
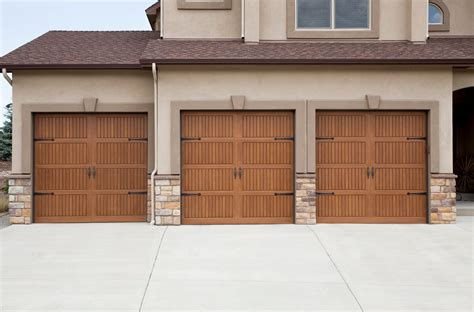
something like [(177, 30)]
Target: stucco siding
[(463, 79), (462, 13), (292, 83), (215, 24), (65, 90)]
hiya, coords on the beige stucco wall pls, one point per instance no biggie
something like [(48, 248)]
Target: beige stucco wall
[(65, 90), (395, 20), (217, 24), (133, 89), (290, 83), (463, 78), (462, 17)]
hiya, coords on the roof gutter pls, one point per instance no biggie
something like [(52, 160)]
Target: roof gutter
[(155, 136), (7, 78)]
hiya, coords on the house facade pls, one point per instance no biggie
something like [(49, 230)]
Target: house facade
[(245, 112)]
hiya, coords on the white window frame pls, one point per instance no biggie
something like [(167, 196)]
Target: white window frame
[(333, 20)]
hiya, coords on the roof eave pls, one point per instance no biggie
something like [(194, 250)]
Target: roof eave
[(456, 62), (11, 67)]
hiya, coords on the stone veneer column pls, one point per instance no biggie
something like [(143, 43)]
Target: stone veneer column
[(167, 200), (19, 199), (305, 198), (443, 198)]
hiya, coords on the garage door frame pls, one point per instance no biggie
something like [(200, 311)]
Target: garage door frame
[(427, 114), (123, 109), (293, 181)]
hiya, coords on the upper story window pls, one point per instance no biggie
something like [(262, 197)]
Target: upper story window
[(435, 15), (333, 19), (438, 16), (333, 14)]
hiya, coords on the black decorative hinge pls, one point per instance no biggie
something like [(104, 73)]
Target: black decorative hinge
[(325, 193), (190, 139), (191, 194), (324, 139)]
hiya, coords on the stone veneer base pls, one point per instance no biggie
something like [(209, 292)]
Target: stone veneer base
[(167, 200), (442, 198), (19, 199), (305, 199)]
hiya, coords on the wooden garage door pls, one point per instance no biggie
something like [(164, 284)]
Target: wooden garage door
[(90, 168), (237, 167), (371, 167)]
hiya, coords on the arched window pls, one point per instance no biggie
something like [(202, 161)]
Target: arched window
[(435, 15), (438, 16)]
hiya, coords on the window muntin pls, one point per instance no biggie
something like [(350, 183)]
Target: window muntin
[(333, 14), (435, 15)]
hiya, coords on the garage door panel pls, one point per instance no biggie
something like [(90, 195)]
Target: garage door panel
[(400, 125), (400, 153), (121, 179), (269, 153), (341, 124), (61, 179), (60, 127), (334, 206), (207, 179), (61, 154), (208, 153), (236, 162), (267, 179), (400, 206), (121, 153), (208, 207), (400, 179), (341, 179), (267, 125), (207, 125), (121, 126), (121, 205), (66, 205), (375, 165), (341, 152), (267, 206), (79, 156)]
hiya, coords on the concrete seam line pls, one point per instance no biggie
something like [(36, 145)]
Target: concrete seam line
[(335, 266), (152, 269)]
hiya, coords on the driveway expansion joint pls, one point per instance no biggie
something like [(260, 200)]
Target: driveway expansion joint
[(152, 269), (336, 267)]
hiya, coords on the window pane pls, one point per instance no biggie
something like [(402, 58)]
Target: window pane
[(352, 13), (435, 15), (314, 13)]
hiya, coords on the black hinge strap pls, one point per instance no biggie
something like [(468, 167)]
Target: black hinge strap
[(324, 139), (44, 140), (417, 193), (138, 139), (325, 193), (416, 138), (284, 139), (137, 193), (191, 194), (190, 139), (284, 194)]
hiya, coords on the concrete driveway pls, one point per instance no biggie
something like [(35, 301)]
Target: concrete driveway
[(133, 267)]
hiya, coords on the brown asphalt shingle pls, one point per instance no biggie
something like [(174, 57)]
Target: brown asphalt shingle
[(134, 49), (81, 49), (435, 51)]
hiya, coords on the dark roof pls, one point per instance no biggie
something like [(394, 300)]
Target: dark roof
[(134, 49), (435, 51), (152, 13), (79, 49)]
